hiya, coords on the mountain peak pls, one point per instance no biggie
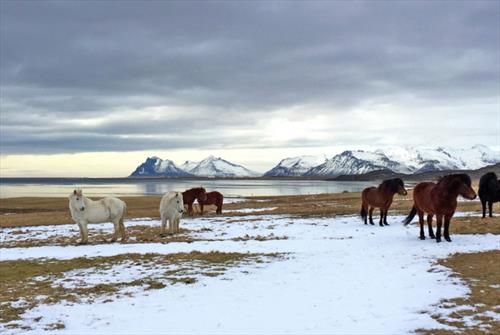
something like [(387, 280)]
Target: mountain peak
[(217, 167), (157, 167)]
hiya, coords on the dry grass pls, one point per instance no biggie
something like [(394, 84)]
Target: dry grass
[(136, 233), (480, 271), (18, 212), (33, 281)]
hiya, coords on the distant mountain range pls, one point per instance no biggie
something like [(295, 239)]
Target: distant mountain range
[(404, 160), (209, 167)]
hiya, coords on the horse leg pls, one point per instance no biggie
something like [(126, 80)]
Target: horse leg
[(84, 232), (421, 222), (370, 211), (219, 209), (385, 217), (429, 223), (439, 220), (116, 223), (190, 209), (122, 230), (446, 234), (483, 203), (381, 222), (177, 221), (490, 207), (201, 209), (171, 226), (163, 225)]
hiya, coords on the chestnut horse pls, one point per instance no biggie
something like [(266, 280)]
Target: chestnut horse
[(380, 197), (213, 198), (190, 195), (441, 200)]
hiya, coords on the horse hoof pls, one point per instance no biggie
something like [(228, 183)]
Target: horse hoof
[(422, 237), (432, 236), (372, 223), (447, 239), (386, 224), (438, 240)]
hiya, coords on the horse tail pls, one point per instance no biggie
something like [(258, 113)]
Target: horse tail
[(410, 216), (363, 212)]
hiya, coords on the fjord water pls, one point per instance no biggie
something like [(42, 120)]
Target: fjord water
[(122, 187)]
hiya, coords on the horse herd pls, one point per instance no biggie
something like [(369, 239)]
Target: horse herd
[(434, 199), (84, 210)]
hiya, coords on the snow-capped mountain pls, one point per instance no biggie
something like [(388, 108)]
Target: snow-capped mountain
[(209, 167), (406, 160), (218, 167), (295, 166), (352, 162), (398, 159), (440, 158), (154, 166)]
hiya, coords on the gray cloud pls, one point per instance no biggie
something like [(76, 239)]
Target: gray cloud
[(228, 66)]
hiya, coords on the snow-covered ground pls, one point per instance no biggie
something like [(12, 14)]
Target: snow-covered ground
[(339, 276)]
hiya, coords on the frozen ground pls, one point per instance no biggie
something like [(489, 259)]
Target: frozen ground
[(340, 276)]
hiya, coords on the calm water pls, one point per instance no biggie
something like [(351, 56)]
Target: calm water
[(230, 188)]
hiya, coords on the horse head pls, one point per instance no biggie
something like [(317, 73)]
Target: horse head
[(201, 194), (461, 184), (179, 202), (76, 200), (396, 185)]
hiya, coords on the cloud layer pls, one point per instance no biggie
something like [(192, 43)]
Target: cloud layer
[(125, 76)]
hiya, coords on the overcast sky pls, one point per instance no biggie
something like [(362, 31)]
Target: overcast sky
[(108, 83)]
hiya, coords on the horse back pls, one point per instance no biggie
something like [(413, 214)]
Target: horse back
[(214, 198), (114, 205), (422, 196), (489, 187)]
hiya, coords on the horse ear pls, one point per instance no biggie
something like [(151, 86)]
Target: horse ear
[(74, 192)]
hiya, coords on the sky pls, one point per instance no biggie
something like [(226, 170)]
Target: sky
[(93, 88)]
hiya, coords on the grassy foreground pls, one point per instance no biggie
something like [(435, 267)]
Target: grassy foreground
[(478, 270)]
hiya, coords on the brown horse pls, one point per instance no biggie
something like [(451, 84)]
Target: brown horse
[(380, 197), (190, 195), (441, 200), (213, 198)]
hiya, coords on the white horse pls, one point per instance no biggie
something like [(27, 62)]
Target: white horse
[(171, 209), (85, 211)]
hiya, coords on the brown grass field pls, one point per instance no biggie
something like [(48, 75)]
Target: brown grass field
[(480, 271)]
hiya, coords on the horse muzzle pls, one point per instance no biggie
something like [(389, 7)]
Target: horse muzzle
[(403, 192), (471, 196), (82, 209)]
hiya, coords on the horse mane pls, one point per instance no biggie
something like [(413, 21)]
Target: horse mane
[(172, 194), (448, 179), (195, 189), (392, 184)]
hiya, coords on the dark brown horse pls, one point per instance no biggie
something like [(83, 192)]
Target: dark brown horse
[(489, 191), (380, 197), (213, 198), (441, 200), (190, 195)]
